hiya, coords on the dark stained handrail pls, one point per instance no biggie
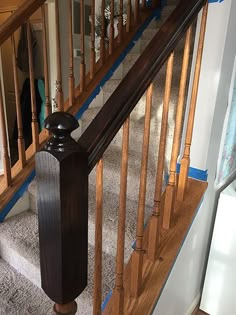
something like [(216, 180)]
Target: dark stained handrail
[(20, 16), (118, 107)]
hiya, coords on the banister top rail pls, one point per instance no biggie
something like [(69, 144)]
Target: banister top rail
[(25, 10), (113, 114)]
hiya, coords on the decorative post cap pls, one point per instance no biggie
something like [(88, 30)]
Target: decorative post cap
[(61, 124)]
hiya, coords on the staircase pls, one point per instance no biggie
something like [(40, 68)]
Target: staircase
[(20, 281)]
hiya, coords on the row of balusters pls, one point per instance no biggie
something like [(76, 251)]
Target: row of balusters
[(105, 50), (162, 217)]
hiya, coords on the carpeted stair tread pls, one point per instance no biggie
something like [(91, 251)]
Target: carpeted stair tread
[(110, 215), (20, 234), (14, 231), (18, 295)]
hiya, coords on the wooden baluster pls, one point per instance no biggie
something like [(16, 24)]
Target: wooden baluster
[(118, 292), (185, 162), (171, 187), (48, 107), (120, 22), (102, 40), (92, 50), (71, 58), (111, 31), (137, 258), (129, 12), (154, 227), (5, 154), (82, 48), (136, 12), (97, 296), (59, 95), (20, 138), (35, 126), (143, 3)]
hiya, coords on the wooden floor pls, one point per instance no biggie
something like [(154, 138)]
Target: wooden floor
[(156, 273), (197, 311)]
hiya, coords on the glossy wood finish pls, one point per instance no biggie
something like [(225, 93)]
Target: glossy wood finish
[(111, 35), (20, 138), (102, 40), (63, 218), (34, 124), (185, 162), (155, 221), (48, 107), (118, 291), (92, 49), (113, 114), (65, 309), (8, 27), (59, 92), (71, 57), (5, 153), (155, 274), (171, 187), (120, 22), (82, 48), (137, 260), (97, 295)]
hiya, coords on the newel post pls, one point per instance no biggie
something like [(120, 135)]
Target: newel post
[(62, 180)]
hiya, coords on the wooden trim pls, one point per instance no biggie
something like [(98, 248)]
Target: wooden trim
[(156, 273), (18, 17)]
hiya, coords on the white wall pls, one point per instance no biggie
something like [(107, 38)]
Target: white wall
[(183, 287)]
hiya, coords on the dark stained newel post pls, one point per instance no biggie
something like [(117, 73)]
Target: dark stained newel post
[(62, 179)]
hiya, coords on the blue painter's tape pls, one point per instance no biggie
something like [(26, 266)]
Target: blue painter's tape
[(212, 1), (155, 14), (194, 173), (20, 192), (107, 299)]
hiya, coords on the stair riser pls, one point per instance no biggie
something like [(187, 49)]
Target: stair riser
[(22, 265)]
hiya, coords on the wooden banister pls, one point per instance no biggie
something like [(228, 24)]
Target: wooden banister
[(112, 116), (16, 19), (73, 161)]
